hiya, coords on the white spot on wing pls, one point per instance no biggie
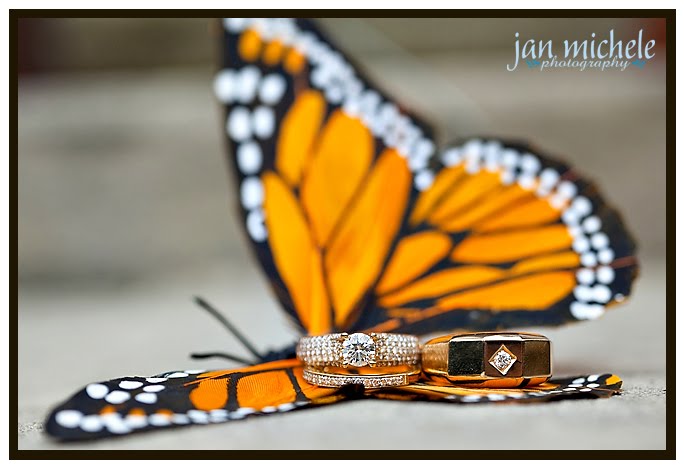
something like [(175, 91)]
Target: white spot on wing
[(247, 83), (591, 224), (585, 276), (599, 240), (130, 384), (115, 423), (570, 216), (146, 398), (97, 391), (583, 293), (567, 189), (580, 244), (526, 181), (263, 122), (605, 275), (510, 158), (602, 293), (155, 380), (582, 205), (178, 374), (272, 89), (584, 311), (588, 259), (606, 256), (286, 407), (251, 193), (159, 420), (548, 178), (424, 180), (224, 86), (255, 225), (68, 418), (198, 416), (91, 423), (117, 397), (452, 157), (135, 421), (249, 158), (180, 419), (238, 125), (530, 164), (235, 25)]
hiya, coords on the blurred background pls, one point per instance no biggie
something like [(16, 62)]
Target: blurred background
[(126, 209)]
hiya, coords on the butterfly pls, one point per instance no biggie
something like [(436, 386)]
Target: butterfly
[(362, 224)]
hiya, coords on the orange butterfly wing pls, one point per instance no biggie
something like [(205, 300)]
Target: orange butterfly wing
[(323, 178), (125, 405), (180, 398), (505, 238), (364, 227)]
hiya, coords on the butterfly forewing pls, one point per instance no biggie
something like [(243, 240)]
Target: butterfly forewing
[(327, 166)]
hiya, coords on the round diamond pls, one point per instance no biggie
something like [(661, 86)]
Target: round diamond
[(358, 350), (502, 360)]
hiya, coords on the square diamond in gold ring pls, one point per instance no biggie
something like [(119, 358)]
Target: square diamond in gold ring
[(502, 359)]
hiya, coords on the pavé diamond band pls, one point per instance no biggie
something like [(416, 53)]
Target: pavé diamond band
[(488, 359), (368, 381), (359, 350)]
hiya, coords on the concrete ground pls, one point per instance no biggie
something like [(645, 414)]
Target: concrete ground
[(125, 213)]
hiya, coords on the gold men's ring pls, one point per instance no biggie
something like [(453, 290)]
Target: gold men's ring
[(488, 359), (359, 350)]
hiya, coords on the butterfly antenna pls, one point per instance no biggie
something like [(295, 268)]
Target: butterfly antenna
[(233, 330)]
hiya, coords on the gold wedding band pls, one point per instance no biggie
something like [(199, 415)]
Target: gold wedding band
[(488, 359), (368, 381)]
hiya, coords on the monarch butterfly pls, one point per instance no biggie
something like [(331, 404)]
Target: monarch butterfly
[(361, 224)]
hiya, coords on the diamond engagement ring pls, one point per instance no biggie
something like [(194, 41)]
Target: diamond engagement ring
[(372, 360), (488, 359), (359, 350)]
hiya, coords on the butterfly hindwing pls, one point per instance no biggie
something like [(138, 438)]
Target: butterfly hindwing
[(504, 238), (125, 405), (132, 404)]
